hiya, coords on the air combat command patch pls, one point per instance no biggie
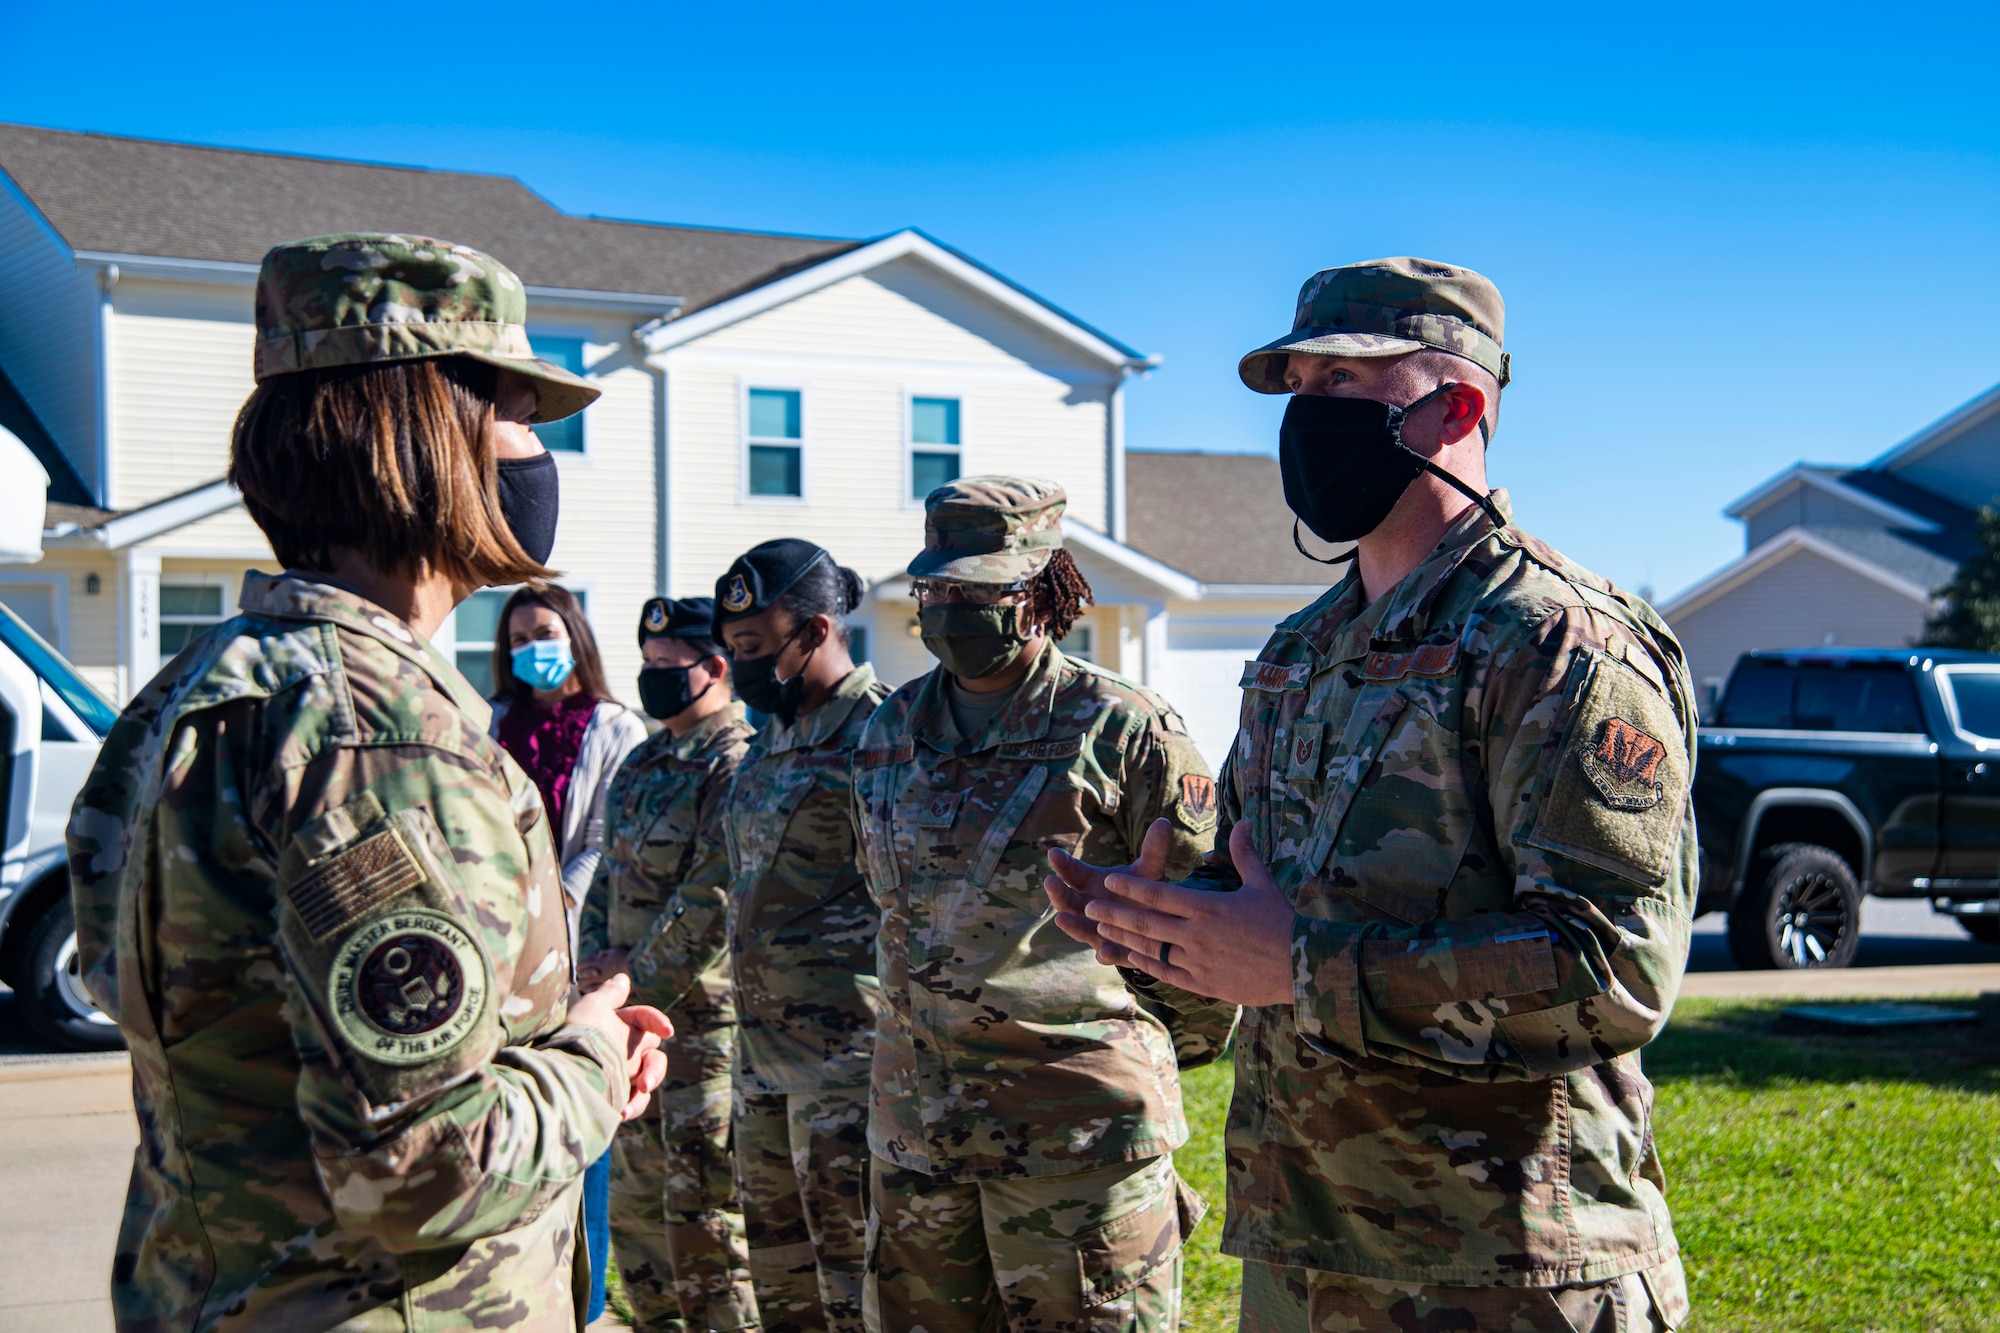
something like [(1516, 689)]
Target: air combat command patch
[(1623, 763), (408, 987)]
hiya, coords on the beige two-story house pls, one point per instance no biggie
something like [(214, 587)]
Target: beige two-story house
[(755, 386)]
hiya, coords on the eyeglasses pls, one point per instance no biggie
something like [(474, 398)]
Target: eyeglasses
[(979, 594)]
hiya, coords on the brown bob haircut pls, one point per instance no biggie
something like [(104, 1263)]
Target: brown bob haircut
[(393, 461), (582, 643)]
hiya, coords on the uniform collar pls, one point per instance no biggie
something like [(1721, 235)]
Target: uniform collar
[(824, 722), (1027, 716), (1341, 628), (697, 739), (291, 597)]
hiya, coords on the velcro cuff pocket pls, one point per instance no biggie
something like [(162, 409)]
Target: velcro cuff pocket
[(1406, 973)]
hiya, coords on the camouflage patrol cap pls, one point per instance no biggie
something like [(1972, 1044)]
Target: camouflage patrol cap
[(676, 618), (1384, 307), (990, 529), (364, 298)]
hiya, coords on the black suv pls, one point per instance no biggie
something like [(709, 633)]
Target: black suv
[(1829, 773)]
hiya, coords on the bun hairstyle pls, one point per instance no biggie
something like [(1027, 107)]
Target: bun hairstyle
[(823, 589)]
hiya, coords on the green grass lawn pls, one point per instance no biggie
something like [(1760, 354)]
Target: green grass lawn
[(1818, 1182)]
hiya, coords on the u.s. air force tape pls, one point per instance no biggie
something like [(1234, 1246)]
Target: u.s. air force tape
[(407, 987)]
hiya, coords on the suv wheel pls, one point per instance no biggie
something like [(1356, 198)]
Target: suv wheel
[(1803, 911), (54, 1003)]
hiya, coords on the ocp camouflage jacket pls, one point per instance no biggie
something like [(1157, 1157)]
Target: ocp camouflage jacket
[(1475, 791), (1005, 1048), (324, 908), (661, 890), (801, 927)]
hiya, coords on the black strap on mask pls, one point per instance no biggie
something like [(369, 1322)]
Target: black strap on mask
[(1398, 415)]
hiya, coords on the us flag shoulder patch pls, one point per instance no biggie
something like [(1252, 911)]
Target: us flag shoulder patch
[(354, 884)]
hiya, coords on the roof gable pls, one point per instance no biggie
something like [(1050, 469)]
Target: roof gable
[(113, 196), (909, 244), (1833, 481)]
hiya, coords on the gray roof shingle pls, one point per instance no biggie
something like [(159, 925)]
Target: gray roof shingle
[(182, 201), (1218, 517)]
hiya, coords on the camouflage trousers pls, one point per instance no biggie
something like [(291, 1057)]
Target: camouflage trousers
[(1309, 1300), (675, 1226), (802, 1173), (1090, 1252)]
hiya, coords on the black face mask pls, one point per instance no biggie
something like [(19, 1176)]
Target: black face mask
[(758, 684), (666, 692), (530, 495), (1345, 465), (972, 642)]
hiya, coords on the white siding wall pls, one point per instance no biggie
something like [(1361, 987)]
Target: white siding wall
[(1796, 603), (90, 638), (607, 539), (858, 348), (48, 330), (180, 370), (1967, 469)]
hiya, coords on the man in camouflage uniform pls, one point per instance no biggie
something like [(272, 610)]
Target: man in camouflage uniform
[(323, 907), (1024, 1107), (657, 905), (802, 951), (1457, 833)]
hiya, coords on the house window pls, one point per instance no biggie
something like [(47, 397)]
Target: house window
[(565, 436), (476, 624), (934, 445), (857, 641), (186, 610), (1076, 643), (776, 462)]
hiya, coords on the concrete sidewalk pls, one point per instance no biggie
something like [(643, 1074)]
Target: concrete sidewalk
[(1886, 982), (66, 1140)]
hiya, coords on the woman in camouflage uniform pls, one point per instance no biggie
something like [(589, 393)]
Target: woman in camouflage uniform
[(1025, 1107), (656, 909), (801, 936), (321, 903)]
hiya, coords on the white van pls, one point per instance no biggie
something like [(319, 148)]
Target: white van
[(51, 724)]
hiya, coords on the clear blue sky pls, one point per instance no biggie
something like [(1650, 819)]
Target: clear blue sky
[(1730, 236)]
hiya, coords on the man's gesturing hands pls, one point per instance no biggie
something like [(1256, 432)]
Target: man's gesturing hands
[(1231, 946), (637, 1029)]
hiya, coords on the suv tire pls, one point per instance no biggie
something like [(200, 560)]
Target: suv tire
[(52, 1000), (1985, 929), (1800, 909)]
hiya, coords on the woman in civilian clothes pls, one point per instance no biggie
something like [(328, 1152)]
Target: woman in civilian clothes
[(554, 714)]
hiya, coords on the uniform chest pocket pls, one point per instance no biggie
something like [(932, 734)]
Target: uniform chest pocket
[(1011, 859), (762, 807), (662, 847)]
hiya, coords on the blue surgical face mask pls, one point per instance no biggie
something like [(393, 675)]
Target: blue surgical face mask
[(543, 663)]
